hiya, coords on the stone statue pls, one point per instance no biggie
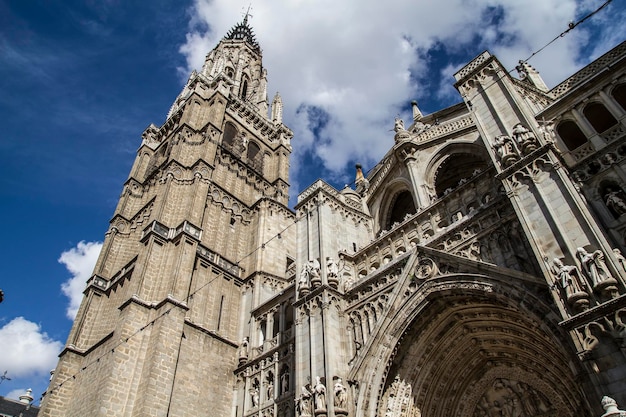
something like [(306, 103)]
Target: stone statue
[(314, 272), (304, 401), (341, 395), (270, 390), (398, 125), (524, 138), (615, 202), (284, 381), (503, 146), (593, 265), (566, 275), (332, 272), (243, 351), (304, 281), (319, 391), (331, 267), (254, 396)]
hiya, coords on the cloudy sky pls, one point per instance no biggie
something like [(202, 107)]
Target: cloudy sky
[(80, 81)]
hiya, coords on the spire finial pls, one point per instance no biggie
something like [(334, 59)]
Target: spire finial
[(245, 17)]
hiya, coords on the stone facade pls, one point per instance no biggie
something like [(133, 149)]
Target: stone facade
[(477, 270)]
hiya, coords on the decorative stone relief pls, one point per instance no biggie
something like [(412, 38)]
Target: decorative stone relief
[(505, 150), (398, 401), (526, 141), (508, 398)]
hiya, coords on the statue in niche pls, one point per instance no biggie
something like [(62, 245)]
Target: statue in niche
[(319, 392), (284, 381), (341, 395), (503, 146), (303, 403), (614, 201), (243, 351), (593, 265), (254, 396), (524, 138), (269, 390)]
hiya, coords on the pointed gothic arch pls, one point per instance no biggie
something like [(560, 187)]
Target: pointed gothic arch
[(454, 162), (468, 345), (398, 202)]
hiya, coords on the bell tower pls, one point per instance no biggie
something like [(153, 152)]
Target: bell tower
[(188, 252)]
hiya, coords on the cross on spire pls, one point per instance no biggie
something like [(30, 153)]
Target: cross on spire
[(245, 17)]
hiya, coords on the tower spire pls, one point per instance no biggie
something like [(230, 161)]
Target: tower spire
[(245, 17)]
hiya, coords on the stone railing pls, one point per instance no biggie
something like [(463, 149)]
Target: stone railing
[(595, 67), (429, 225)]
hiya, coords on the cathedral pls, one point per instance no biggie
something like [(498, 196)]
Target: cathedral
[(476, 270)]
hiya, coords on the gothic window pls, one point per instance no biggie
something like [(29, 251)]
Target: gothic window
[(402, 205), (243, 93), (599, 117), (253, 151), (255, 156), (619, 94), (230, 72), (230, 132), (571, 135), (455, 170)]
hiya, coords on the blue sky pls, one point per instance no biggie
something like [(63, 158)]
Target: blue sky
[(81, 80)]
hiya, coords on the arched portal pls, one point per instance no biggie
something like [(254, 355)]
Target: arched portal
[(470, 346)]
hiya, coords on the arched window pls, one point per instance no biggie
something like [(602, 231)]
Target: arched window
[(255, 157), (243, 93), (253, 151), (599, 117), (230, 132), (571, 135), (455, 168), (401, 206), (230, 72), (619, 94)]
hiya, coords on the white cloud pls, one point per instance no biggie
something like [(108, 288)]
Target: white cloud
[(26, 350), (80, 262), (353, 58)]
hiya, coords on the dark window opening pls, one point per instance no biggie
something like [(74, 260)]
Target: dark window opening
[(244, 90), (230, 132), (619, 94), (403, 205), (599, 117), (571, 135), (458, 167)]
